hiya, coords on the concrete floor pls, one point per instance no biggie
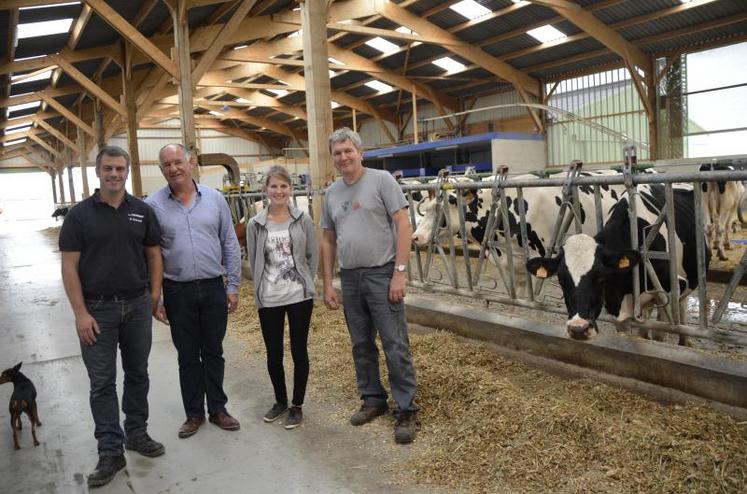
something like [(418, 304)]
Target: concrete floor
[(37, 327)]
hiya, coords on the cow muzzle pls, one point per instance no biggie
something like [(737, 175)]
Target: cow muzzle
[(581, 329)]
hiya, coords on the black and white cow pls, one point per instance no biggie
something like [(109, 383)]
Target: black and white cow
[(720, 201), (541, 205), (595, 272)]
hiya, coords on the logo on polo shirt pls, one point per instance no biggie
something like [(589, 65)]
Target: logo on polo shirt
[(137, 218)]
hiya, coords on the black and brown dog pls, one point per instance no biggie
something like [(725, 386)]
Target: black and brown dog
[(22, 400)]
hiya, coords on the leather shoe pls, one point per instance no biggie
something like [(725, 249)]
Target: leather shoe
[(224, 421), (191, 425)]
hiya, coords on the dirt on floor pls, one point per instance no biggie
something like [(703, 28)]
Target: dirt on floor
[(488, 424)]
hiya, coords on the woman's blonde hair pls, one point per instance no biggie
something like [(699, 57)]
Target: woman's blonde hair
[(278, 172)]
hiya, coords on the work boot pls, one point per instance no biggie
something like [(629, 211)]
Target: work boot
[(367, 413), (295, 417), (106, 469), (145, 445), (404, 430), (275, 412)]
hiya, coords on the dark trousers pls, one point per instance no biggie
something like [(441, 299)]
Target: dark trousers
[(272, 320), (365, 299), (126, 324), (198, 313)]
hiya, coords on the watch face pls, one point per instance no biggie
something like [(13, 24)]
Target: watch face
[(401, 267)]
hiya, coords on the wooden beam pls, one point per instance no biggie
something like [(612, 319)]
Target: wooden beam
[(83, 161), (134, 36), (90, 86), (208, 57), (46, 146), (131, 121), (59, 135), (181, 43), (503, 70), (66, 113)]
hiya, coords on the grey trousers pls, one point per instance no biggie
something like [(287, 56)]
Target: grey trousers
[(365, 293)]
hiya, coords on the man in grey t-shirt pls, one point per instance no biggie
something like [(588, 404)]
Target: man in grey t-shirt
[(365, 223)]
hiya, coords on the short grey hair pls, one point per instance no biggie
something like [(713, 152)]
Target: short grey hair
[(345, 134), (187, 154), (113, 152)]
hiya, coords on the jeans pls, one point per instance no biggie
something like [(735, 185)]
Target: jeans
[(127, 324), (272, 320), (198, 313), (365, 294)]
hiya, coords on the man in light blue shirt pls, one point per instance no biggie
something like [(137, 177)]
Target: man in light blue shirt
[(199, 248)]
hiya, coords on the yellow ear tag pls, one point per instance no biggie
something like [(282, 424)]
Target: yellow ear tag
[(623, 262), (541, 272)]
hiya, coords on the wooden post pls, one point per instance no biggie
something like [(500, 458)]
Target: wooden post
[(184, 60), (355, 120), (129, 102), (318, 95), (653, 124), (82, 158), (415, 129), (60, 170), (98, 123), (54, 188), (70, 183)]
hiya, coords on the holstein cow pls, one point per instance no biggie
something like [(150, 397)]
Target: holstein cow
[(595, 272), (541, 206), (720, 201)]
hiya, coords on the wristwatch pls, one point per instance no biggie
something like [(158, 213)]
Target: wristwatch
[(400, 267)]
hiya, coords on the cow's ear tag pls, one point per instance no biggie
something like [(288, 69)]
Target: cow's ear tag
[(541, 272), (623, 262)]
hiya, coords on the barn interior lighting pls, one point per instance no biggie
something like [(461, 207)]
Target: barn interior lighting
[(379, 86), (239, 47), (49, 5), (384, 46), (546, 34), (470, 9), (449, 64), (23, 106), (17, 129), (24, 77), (44, 28), (17, 141)]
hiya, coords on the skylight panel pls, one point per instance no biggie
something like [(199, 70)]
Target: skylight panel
[(11, 143), (279, 92), (215, 113), (546, 34), (379, 86), (335, 61), (449, 64), (407, 30), (296, 34), (23, 106), (17, 129), (334, 104), (332, 73), (470, 9), (47, 6), (384, 46), (44, 28), (24, 77), (244, 101), (239, 47)]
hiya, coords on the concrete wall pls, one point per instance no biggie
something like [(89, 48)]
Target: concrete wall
[(520, 155)]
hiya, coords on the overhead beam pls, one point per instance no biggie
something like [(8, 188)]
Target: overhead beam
[(67, 114), (59, 135), (46, 146), (90, 86), (131, 34), (208, 57)]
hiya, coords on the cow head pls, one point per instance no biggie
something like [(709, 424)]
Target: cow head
[(583, 267), (429, 209)]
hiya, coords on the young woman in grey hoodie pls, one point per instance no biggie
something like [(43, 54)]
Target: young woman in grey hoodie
[(283, 254)]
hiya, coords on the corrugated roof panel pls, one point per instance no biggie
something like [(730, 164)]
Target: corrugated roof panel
[(516, 43), (50, 13), (157, 17), (554, 71), (629, 10), (695, 39), (558, 52), (97, 33), (40, 45)]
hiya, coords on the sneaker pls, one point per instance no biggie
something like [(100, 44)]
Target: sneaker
[(275, 412), (367, 413), (295, 417), (106, 469), (145, 445), (404, 430)]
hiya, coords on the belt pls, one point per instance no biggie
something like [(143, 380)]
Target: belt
[(167, 281), (116, 297)]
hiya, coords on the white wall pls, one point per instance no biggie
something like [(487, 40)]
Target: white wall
[(521, 155)]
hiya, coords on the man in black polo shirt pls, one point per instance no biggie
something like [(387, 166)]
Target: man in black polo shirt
[(112, 270)]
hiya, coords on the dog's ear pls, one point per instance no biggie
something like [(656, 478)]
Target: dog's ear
[(17, 367)]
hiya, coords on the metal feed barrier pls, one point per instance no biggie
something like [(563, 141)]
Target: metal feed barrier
[(462, 278)]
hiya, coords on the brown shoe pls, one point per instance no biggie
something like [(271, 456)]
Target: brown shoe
[(224, 421), (189, 427)]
